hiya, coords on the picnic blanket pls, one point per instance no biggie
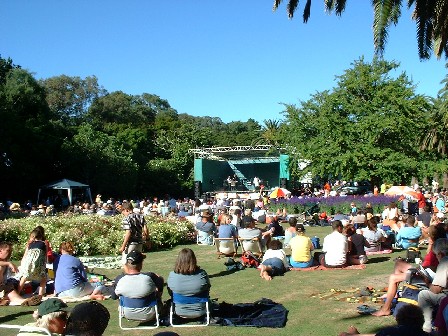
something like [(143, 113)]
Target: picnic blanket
[(380, 252), (323, 268), (261, 313)]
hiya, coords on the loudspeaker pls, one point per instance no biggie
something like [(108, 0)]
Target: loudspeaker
[(197, 189), (284, 183)]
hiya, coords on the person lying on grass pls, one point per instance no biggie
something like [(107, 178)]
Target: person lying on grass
[(274, 261)]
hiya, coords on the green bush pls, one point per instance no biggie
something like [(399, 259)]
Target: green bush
[(92, 235)]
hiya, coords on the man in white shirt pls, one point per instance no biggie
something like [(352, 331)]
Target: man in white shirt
[(335, 246)]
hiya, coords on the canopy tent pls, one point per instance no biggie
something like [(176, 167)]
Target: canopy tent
[(73, 189)]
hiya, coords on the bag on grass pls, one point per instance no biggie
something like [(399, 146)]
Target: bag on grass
[(409, 295), (412, 253), (250, 260)]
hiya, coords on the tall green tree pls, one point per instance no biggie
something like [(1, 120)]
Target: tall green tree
[(429, 15), (367, 127)]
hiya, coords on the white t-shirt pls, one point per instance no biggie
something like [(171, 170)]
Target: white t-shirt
[(336, 247)]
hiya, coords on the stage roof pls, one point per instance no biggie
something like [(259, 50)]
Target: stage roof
[(261, 153)]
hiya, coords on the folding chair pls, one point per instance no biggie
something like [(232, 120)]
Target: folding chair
[(182, 299), (126, 302), (34, 330), (226, 247), (251, 244), (204, 238)]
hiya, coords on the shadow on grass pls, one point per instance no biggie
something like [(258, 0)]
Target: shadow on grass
[(12, 317), (359, 318), (378, 260), (223, 273)]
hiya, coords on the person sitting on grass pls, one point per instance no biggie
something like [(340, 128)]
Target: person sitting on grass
[(71, 276), (291, 231), (409, 235), (409, 323), (301, 247), (373, 235), (335, 247), (274, 261), (356, 242), (401, 268), (8, 284)]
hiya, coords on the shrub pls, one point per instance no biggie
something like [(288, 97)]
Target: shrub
[(92, 235)]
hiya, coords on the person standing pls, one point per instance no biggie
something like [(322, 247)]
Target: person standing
[(135, 229)]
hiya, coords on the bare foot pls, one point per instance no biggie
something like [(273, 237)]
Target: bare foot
[(381, 312), (266, 276), (98, 297), (352, 330), (262, 270)]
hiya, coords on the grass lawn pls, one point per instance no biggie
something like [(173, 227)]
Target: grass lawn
[(308, 314)]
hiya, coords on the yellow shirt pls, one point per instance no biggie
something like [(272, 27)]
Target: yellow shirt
[(300, 248)]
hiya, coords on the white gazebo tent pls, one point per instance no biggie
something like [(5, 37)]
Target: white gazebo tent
[(70, 186)]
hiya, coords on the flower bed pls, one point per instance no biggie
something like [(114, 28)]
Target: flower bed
[(331, 205), (92, 235)]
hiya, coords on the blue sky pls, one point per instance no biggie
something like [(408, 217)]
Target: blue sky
[(230, 59)]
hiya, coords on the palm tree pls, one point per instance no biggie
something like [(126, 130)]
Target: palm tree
[(270, 133), (430, 16)]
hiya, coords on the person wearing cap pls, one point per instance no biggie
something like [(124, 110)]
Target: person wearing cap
[(301, 247), (51, 314), (205, 228), (87, 319), (135, 229), (139, 287)]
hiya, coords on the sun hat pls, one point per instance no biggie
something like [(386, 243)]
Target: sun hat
[(88, 318), (51, 305), (135, 257)]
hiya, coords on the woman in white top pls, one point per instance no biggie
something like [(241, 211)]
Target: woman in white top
[(390, 216), (274, 261), (373, 235)]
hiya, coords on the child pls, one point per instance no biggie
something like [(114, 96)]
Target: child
[(33, 266), (8, 284), (274, 261)]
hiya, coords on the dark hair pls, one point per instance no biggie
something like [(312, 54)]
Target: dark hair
[(4, 245), (336, 224), (350, 230), (426, 208), (410, 315), (186, 262), (275, 244), (372, 224), (410, 221), (37, 234), (437, 231), (292, 221), (67, 247), (42, 230), (126, 206)]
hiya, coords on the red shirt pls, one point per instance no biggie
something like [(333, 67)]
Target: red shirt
[(430, 260), (421, 200)]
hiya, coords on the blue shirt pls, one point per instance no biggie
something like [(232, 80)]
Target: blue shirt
[(69, 273), (227, 231), (408, 236)]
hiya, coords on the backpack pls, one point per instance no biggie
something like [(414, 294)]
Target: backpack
[(409, 295), (250, 260), (412, 253)]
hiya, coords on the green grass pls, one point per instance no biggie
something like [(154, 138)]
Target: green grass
[(308, 315)]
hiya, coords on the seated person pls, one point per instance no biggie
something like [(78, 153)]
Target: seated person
[(206, 228), (274, 229), (274, 261), (358, 219), (226, 229), (88, 319), (134, 284), (51, 314), (409, 235), (188, 279), (409, 323), (71, 276), (356, 243), (291, 231), (10, 285), (401, 268), (301, 247), (373, 235), (335, 247), (249, 232)]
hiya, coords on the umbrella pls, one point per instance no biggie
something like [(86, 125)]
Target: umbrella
[(279, 192), (398, 190)]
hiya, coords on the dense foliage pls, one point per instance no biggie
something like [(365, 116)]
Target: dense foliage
[(92, 235)]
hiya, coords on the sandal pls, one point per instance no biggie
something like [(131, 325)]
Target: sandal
[(32, 301), (366, 310), (4, 302)]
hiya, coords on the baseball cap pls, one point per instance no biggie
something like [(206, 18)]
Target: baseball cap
[(51, 306), (135, 257)]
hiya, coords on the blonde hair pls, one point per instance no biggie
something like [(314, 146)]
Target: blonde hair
[(45, 321)]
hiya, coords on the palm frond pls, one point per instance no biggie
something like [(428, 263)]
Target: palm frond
[(276, 4), (422, 14), (291, 8), (385, 13), (307, 11), (440, 33)]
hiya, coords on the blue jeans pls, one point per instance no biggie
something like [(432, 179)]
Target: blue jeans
[(83, 289), (276, 264)]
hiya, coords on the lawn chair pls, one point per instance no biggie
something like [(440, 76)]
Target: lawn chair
[(182, 299), (226, 247), (30, 329), (126, 302), (251, 244)]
